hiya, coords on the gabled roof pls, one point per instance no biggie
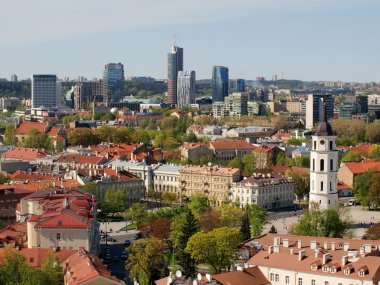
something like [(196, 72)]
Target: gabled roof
[(33, 176), (21, 153), (264, 148), (67, 219), (231, 144), (251, 276), (363, 166), (54, 131), (24, 127), (82, 159)]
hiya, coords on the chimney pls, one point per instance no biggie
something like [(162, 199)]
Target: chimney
[(208, 277), (326, 245), (346, 246), (299, 243), (270, 249), (276, 248), (313, 244), (332, 245), (285, 242), (301, 255), (325, 258), (317, 251), (344, 260), (276, 241), (367, 248), (291, 251)]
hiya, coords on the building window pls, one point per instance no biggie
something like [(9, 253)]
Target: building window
[(330, 186), (299, 281), (312, 282), (326, 282), (271, 277), (331, 145), (321, 185), (313, 164), (315, 144), (331, 164), (322, 165), (58, 236), (277, 278), (287, 280)]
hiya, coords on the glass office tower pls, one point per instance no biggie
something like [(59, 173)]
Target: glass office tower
[(219, 83), (113, 80), (175, 64)]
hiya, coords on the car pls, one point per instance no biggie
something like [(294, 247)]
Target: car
[(124, 255), (127, 242)]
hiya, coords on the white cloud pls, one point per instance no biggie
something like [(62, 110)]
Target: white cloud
[(26, 21)]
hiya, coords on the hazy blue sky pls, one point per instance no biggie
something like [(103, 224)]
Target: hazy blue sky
[(307, 39)]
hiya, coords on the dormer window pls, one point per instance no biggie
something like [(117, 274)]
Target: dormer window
[(314, 267), (361, 273), (347, 271), (325, 268), (333, 269)]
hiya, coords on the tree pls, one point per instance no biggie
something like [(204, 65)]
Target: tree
[(327, 223), (302, 183), (373, 132), (281, 159), (374, 190), (138, 213), (168, 198), (82, 136), (258, 217), (294, 141), (4, 178), (35, 139), (105, 133), (273, 230), (158, 228), (362, 183), (115, 201), (350, 156), (183, 228), (216, 248), (372, 233), (230, 215), (236, 163), (210, 220), (374, 152), (245, 228), (9, 134), (146, 261), (199, 203), (249, 163), (123, 135)]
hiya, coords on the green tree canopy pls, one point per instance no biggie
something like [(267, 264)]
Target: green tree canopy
[(373, 132), (35, 139), (258, 217), (362, 183), (9, 134), (216, 248), (82, 136), (146, 261), (199, 203), (352, 156), (138, 213), (302, 183), (115, 201)]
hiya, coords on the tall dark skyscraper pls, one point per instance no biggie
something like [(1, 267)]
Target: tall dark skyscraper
[(175, 64), (219, 83), (237, 85), (113, 79)]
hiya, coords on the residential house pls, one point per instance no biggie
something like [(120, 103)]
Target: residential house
[(265, 156), (349, 170)]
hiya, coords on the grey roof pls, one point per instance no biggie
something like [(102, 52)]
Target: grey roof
[(126, 163), (167, 168)]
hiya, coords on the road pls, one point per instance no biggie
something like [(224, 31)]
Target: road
[(116, 265)]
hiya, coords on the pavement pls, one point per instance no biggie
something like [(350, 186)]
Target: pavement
[(360, 218)]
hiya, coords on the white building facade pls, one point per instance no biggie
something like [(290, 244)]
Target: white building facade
[(185, 88)]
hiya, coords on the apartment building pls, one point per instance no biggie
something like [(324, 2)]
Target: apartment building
[(227, 149), (266, 190), (166, 178), (212, 181)]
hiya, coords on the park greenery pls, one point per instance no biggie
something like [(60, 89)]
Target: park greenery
[(15, 271), (367, 189)]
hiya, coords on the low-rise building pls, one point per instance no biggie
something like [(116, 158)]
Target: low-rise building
[(265, 156), (348, 171), (166, 178), (213, 181), (266, 190), (194, 152), (227, 149)]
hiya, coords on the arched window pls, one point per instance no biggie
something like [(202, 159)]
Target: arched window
[(322, 165)]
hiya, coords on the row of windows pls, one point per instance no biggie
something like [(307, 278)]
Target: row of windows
[(321, 186), (276, 278), (331, 145), (265, 191), (322, 165), (166, 178)]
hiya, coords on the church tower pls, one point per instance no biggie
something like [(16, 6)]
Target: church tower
[(323, 167)]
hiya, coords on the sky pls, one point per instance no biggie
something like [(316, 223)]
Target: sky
[(304, 39)]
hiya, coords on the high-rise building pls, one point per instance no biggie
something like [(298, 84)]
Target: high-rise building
[(314, 106), (45, 91), (14, 78), (323, 167), (234, 105), (175, 64), (185, 88), (236, 85), (86, 93), (219, 83), (113, 79)]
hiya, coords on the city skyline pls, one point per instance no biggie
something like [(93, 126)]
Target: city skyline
[(319, 40)]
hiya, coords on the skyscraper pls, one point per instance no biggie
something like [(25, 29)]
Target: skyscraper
[(236, 85), (14, 78), (175, 64), (45, 91), (185, 88), (314, 106), (113, 79), (219, 83)]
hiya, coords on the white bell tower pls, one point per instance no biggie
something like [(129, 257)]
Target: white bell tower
[(323, 167)]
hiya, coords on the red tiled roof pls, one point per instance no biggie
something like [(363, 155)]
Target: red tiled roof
[(84, 266), (363, 166), (24, 127), (231, 144), (66, 219), (54, 131), (20, 153), (264, 148), (33, 176), (251, 276), (363, 148), (193, 145), (81, 159)]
